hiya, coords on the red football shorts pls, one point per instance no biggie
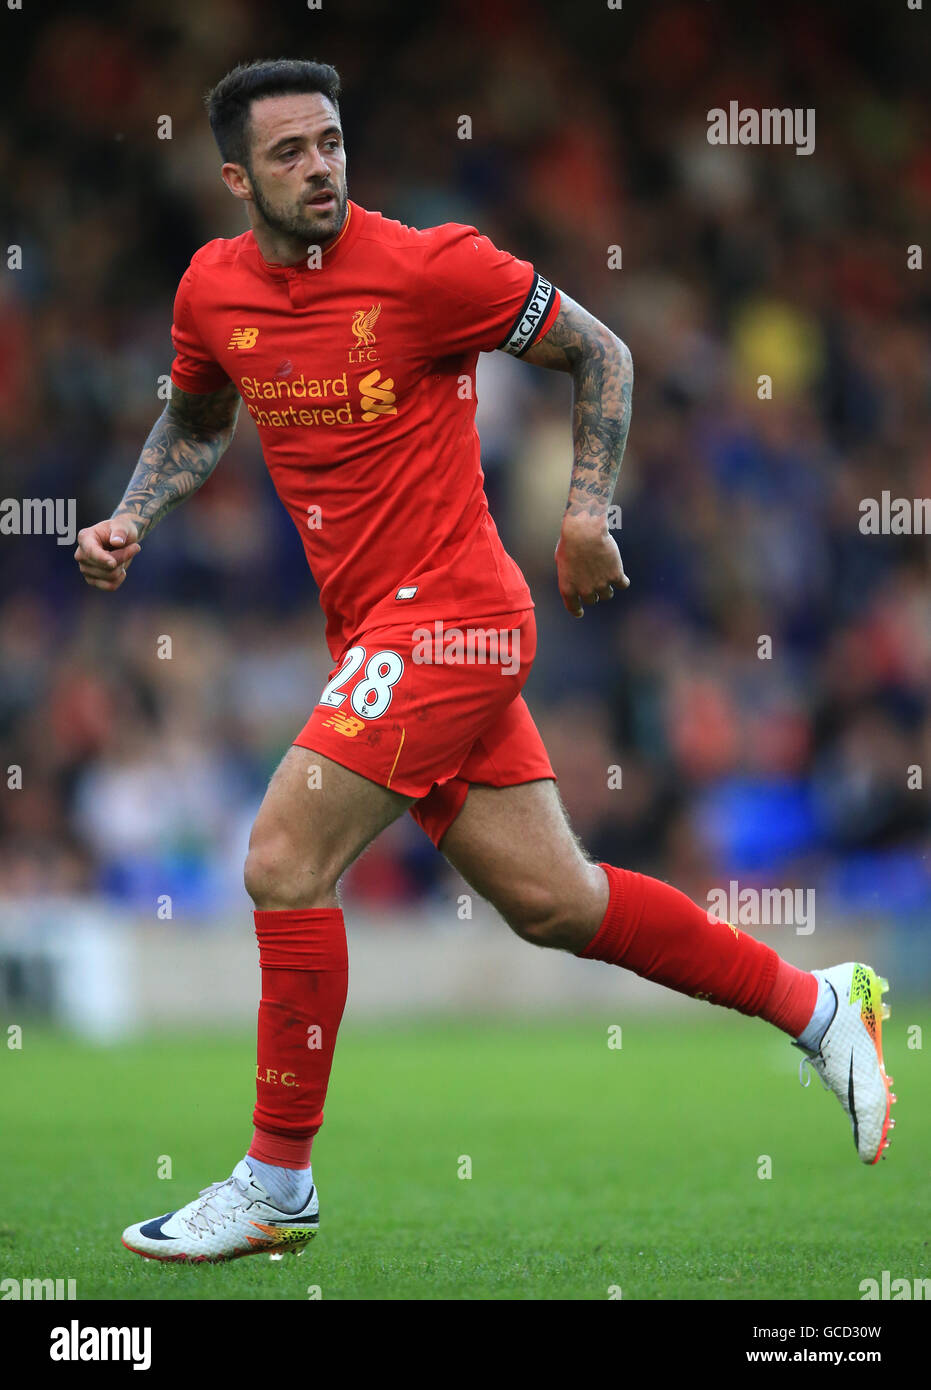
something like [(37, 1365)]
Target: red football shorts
[(428, 708)]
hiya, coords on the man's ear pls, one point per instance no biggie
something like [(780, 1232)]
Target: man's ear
[(237, 181)]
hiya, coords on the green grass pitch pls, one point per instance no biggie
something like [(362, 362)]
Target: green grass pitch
[(592, 1168)]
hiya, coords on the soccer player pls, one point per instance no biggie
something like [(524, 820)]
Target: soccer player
[(353, 341)]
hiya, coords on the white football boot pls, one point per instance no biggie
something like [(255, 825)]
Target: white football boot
[(849, 1059), (228, 1219)]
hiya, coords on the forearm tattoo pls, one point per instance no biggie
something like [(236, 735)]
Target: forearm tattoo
[(186, 443), (602, 386)]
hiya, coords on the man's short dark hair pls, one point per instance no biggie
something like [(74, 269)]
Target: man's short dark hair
[(228, 104)]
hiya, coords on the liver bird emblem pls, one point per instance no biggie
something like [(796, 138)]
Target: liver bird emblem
[(363, 323)]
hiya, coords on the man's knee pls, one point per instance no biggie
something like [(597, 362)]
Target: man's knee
[(561, 915), (279, 876)]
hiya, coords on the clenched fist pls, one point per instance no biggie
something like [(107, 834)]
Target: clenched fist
[(106, 551), (588, 563)]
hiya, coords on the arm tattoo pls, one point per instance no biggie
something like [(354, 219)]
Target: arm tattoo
[(186, 444), (602, 385)]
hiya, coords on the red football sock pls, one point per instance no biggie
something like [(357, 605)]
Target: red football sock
[(793, 1000), (659, 933), (305, 979)]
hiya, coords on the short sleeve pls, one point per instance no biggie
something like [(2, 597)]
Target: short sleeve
[(479, 298), (193, 368)]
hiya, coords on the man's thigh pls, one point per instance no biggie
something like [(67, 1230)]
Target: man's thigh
[(515, 847), (316, 818), (508, 753)]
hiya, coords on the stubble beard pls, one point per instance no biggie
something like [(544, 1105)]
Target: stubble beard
[(301, 223)]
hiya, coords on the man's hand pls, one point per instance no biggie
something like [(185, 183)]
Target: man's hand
[(106, 551), (588, 563)]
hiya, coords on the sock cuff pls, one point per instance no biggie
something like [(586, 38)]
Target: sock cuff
[(311, 938), (280, 1151), (791, 999), (608, 942)]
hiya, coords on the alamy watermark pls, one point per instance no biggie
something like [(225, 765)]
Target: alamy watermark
[(763, 907), (470, 646), (886, 515), (770, 126), (40, 516), (26, 1289), (77, 1343), (885, 1287)]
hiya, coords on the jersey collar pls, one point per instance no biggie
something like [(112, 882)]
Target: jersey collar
[(338, 248)]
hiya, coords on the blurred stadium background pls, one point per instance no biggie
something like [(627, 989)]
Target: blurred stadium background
[(140, 776)]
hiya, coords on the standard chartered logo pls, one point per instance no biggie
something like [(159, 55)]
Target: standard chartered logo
[(300, 387), (319, 400), (377, 396)]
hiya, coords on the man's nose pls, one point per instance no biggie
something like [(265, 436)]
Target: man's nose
[(317, 165)]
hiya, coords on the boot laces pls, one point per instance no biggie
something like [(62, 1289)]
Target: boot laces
[(208, 1214), (811, 1060)]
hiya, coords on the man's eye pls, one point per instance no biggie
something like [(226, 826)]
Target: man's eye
[(288, 154)]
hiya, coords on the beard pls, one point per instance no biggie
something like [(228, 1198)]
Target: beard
[(301, 221)]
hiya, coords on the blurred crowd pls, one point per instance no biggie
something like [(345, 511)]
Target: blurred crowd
[(687, 744)]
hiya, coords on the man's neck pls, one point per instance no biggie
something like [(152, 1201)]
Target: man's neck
[(279, 248)]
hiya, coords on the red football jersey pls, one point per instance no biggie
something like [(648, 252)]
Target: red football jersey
[(360, 375)]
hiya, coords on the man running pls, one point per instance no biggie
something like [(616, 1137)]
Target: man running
[(353, 341)]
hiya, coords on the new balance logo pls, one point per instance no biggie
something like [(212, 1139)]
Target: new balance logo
[(243, 338), (344, 723)]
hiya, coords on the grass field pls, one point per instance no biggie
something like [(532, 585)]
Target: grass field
[(591, 1167)]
